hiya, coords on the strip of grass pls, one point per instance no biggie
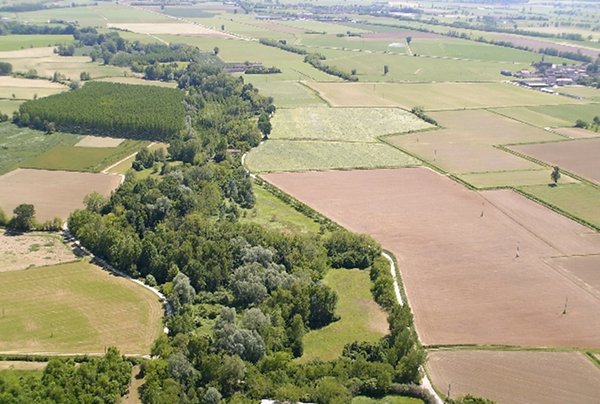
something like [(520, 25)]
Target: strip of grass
[(9, 106), (361, 319), (511, 178), (578, 200), (292, 155), (21, 144), (87, 159), (75, 308), (286, 94), (15, 42), (272, 212)]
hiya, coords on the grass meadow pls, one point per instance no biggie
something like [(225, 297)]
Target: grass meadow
[(511, 178), (21, 144), (75, 308), (9, 106), (552, 115), (299, 155), (286, 94), (361, 319), (87, 159), (15, 42)]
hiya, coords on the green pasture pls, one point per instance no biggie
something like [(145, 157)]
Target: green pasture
[(287, 94), (588, 93), (15, 42), (579, 200), (343, 124), (90, 159), (75, 308), (21, 144), (528, 115), (240, 51), (272, 212), (346, 42), (385, 400), (27, 93), (9, 106), (570, 113), (465, 49), (240, 25), (298, 155), (511, 178), (317, 26), (361, 319)]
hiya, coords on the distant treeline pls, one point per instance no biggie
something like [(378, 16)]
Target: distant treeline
[(16, 28), (130, 111)]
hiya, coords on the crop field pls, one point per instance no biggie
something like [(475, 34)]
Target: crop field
[(434, 96), (27, 89), (476, 242), (580, 157), (138, 80), (552, 115), (23, 251), (286, 94), (347, 43), (170, 28), (588, 93), (21, 144), (577, 133), (272, 212), (579, 200), (299, 155), (76, 308), (46, 190), (468, 145), (517, 377), (9, 106), (99, 141), (540, 43), (343, 124), (583, 268), (14, 42), (494, 179), (361, 319), (78, 158)]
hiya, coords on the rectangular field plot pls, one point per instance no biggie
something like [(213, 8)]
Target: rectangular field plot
[(53, 193), (434, 96), (467, 146), (361, 319), (9, 106), (26, 89), (473, 264), (580, 157), (512, 178), (585, 268), (170, 28), (30, 250), (517, 377), (15, 42), (343, 124), (298, 155), (552, 115), (286, 94), (75, 308), (579, 200)]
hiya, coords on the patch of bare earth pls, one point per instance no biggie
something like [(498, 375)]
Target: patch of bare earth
[(576, 133), (32, 250), (133, 393), (473, 264), (28, 53), (516, 377), (99, 141), (53, 193)]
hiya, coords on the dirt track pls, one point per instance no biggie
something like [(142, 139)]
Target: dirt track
[(463, 278)]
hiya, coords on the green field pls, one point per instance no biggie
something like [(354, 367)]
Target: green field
[(138, 80), (588, 93), (579, 200), (346, 42), (75, 308), (14, 42), (299, 155), (286, 94), (552, 115), (272, 212), (343, 124), (89, 159), (511, 178), (21, 144), (9, 106), (361, 319)]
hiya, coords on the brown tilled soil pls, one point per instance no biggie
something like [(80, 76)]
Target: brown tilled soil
[(32, 250), (516, 377), (471, 278), (581, 157), (53, 193), (577, 133)]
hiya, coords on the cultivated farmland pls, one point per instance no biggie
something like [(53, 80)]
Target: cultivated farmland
[(343, 124), (517, 377), (552, 115), (172, 29), (14, 42), (454, 247), (75, 308), (433, 96), (577, 156), (48, 190), (98, 141), (26, 89), (299, 155)]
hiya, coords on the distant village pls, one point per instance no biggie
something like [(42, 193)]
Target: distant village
[(546, 75)]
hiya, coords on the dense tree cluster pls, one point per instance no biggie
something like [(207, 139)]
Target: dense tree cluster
[(5, 68), (98, 380), (8, 27), (130, 111)]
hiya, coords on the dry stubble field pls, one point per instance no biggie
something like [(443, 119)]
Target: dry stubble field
[(464, 280), (23, 251), (53, 193)]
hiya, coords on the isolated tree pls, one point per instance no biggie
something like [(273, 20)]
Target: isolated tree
[(555, 176), (580, 123), (222, 27), (264, 125), (216, 50), (24, 217), (5, 69), (386, 70), (408, 39), (85, 76), (353, 72)]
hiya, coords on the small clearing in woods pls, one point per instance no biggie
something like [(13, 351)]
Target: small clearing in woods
[(23, 251)]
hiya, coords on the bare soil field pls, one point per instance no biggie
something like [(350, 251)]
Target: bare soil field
[(577, 156), (537, 44), (99, 141), (585, 268), (53, 193), (517, 377), (472, 263), (467, 145), (32, 250), (171, 28), (577, 133), (512, 178)]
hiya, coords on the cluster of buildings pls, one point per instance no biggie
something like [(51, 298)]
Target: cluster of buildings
[(546, 74)]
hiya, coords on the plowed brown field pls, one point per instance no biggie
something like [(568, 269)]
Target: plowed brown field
[(473, 264)]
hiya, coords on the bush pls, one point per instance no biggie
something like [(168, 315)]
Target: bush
[(382, 284)]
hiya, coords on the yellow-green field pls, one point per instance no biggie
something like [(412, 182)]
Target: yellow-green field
[(75, 308)]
